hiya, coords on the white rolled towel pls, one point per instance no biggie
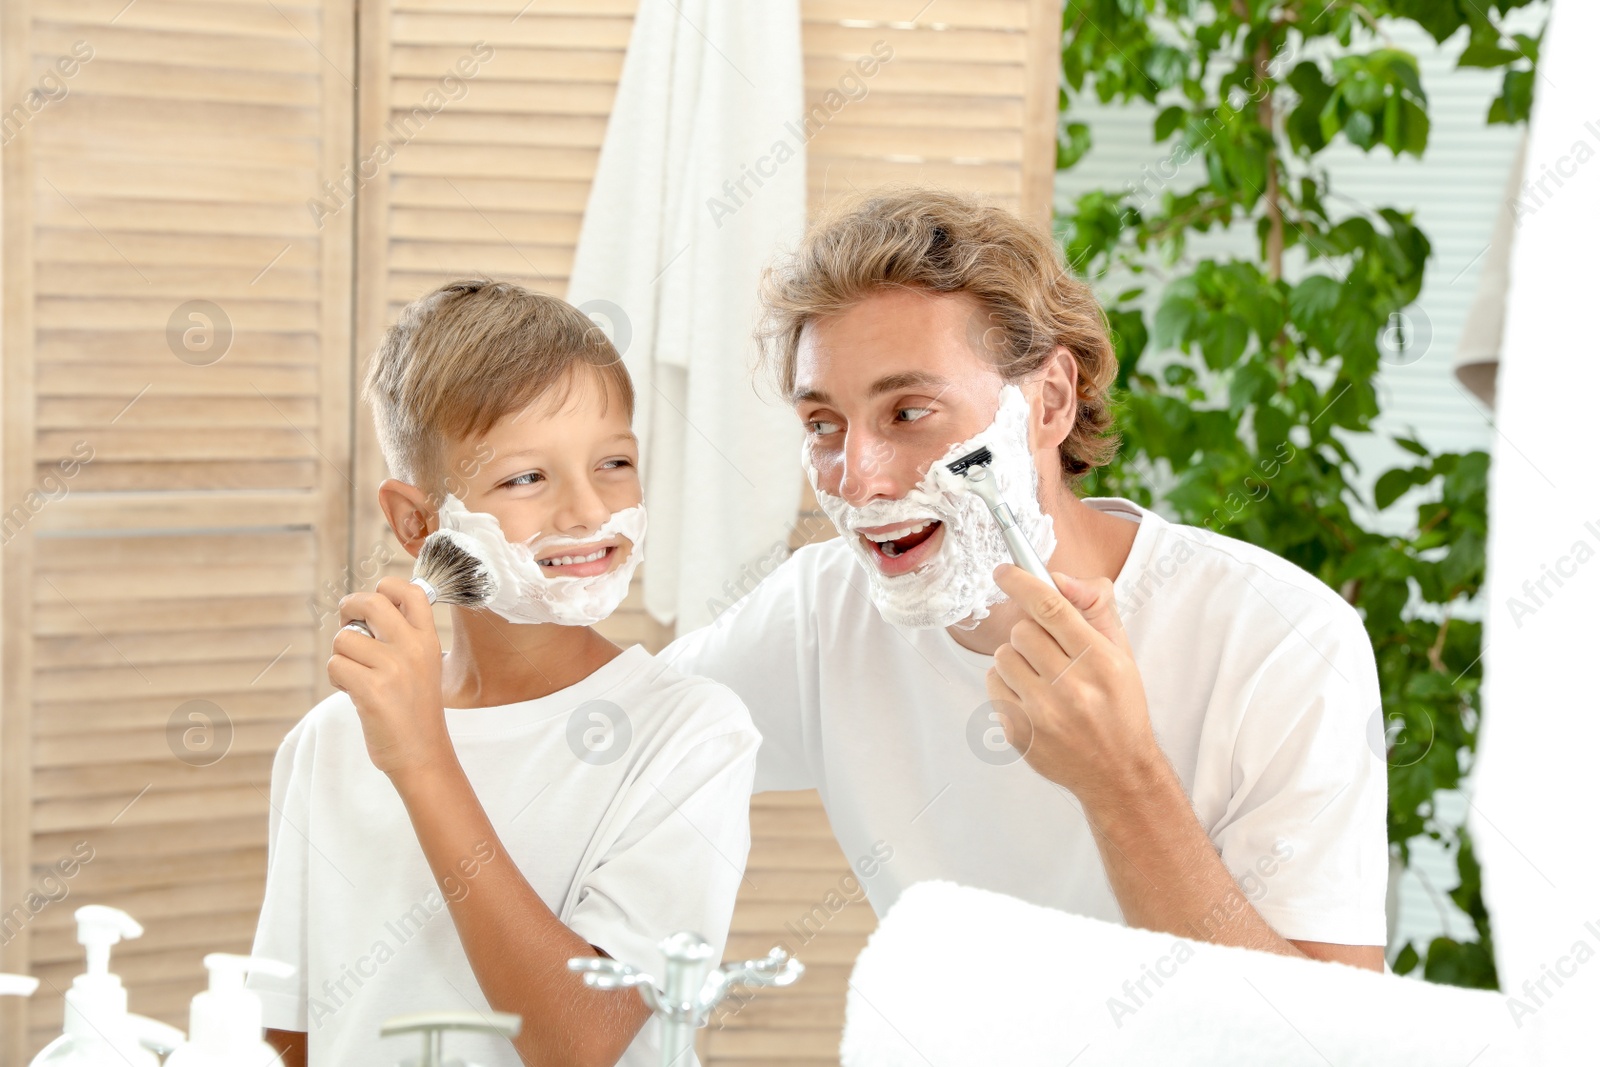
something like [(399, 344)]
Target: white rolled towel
[(962, 976)]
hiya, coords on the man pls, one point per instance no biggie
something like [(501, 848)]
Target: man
[(1175, 736)]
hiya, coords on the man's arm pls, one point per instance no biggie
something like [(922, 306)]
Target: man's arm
[(1078, 715), (1166, 873)]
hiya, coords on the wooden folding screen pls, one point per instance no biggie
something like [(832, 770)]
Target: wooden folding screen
[(177, 328)]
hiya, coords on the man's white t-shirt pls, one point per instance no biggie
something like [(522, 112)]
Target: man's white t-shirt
[(623, 799), (1262, 691)]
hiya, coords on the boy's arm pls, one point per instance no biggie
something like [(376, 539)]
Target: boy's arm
[(291, 1046), (517, 946)]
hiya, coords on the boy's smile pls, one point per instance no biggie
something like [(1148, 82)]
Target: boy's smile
[(583, 561)]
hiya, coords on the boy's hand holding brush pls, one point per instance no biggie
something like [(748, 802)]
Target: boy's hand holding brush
[(386, 654)]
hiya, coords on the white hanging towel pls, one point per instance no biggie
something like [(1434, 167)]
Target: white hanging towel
[(701, 181), (957, 976), (1533, 799)]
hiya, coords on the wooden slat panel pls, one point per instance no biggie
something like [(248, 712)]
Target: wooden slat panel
[(158, 81), (252, 22), (429, 60), (126, 776), (971, 45), (487, 194), (91, 113), (977, 14), (17, 381), (178, 413), (504, 96), (190, 554), (514, 8), (943, 116), (266, 700), (215, 52), (82, 512), (563, 131), (823, 74), (920, 142), (534, 30)]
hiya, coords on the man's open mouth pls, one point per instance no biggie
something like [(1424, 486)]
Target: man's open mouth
[(902, 548), (903, 539)]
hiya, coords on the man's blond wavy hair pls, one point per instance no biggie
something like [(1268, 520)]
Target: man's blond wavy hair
[(945, 242)]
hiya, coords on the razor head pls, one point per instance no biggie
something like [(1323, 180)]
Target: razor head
[(981, 458)]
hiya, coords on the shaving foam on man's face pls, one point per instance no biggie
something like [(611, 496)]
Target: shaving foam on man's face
[(930, 555), (570, 581)]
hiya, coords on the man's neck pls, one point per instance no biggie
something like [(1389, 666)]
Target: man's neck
[(492, 662), (1089, 544)]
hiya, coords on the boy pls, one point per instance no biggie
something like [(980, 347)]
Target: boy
[(555, 795)]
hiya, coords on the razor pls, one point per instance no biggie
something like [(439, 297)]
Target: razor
[(974, 468)]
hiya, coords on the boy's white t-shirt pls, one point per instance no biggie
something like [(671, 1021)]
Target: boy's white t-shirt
[(1262, 691), (623, 799)]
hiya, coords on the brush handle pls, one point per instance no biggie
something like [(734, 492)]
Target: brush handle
[(361, 627)]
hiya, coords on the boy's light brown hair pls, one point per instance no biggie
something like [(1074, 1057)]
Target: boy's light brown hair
[(946, 242), (466, 355)]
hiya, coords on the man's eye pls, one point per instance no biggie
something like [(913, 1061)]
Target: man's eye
[(822, 427), (524, 479), (917, 413)]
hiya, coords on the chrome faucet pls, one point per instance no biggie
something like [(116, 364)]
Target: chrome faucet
[(689, 990)]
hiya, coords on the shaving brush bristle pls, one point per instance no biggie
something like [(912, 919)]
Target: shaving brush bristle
[(457, 573)]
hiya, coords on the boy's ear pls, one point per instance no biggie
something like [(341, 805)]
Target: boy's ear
[(410, 514)]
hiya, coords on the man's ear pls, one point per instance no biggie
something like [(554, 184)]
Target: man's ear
[(1057, 385), (411, 515)]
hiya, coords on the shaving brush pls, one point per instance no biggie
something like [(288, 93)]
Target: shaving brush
[(450, 571)]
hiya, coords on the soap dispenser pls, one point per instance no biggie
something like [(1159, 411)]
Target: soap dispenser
[(225, 1028), (97, 1028)]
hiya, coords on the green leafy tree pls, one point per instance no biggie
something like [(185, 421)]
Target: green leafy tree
[(1242, 385)]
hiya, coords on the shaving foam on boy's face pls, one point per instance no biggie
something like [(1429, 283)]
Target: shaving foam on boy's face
[(930, 555), (528, 592), (555, 505)]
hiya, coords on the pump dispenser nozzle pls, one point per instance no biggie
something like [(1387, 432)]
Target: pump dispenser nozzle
[(97, 992), (96, 1026)]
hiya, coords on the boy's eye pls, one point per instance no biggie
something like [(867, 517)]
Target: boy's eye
[(616, 464), (919, 413), (524, 479), (822, 427)]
